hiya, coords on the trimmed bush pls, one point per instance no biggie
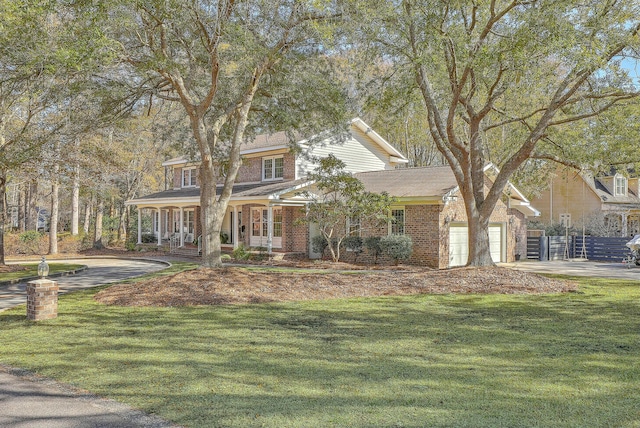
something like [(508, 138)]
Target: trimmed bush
[(397, 247), (241, 253), (372, 244), (318, 244)]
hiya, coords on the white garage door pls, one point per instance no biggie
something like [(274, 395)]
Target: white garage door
[(459, 248)]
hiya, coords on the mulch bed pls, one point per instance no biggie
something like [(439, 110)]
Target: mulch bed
[(235, 285)]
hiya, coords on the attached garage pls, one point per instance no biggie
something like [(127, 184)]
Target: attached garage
[(459, 243)]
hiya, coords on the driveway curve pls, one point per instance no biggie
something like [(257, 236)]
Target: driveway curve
[(99, 271), (34, 402)]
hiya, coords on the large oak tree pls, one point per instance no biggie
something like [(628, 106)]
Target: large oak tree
[(498, 76), (228, 63)]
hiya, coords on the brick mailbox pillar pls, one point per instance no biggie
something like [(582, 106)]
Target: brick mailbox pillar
[(42, 299)]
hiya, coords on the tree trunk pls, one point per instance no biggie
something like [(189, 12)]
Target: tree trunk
[(22, 221), (97, 240), (479, 249), (87, 217), (3, 211), (32, 212), (53, 222), (75, 202), (211, 222)]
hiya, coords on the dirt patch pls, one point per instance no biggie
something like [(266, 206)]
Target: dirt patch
[(11, 268), (235, 285)]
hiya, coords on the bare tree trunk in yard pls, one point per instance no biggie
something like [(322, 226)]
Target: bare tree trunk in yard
[(55, 204), (3, 213), (32, 212), (87, 217), (53, 222), (75, 202), (97, 240)]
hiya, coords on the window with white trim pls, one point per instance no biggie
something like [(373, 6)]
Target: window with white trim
[(272, 168), (620, 187), (565, 219), (189, 177), (396, 225), (353, 226)]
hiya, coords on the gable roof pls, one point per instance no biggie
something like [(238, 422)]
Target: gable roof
[(280, 140), (424, 182), (606, 195), (430, 183)]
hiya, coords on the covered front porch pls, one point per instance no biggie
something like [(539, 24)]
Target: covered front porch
[(263, 218)]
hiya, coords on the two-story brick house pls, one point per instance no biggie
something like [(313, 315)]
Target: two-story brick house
[(267, 201)]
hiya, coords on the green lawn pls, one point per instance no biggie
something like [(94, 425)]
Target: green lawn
[(420, 361), (32, 270)]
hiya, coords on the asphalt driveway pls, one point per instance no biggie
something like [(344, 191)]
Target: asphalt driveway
[(29, 401), (99, 271)]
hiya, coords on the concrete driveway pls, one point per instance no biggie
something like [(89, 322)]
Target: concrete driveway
[(579, 268)]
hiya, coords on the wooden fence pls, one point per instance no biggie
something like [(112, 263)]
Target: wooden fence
[(559, 248)]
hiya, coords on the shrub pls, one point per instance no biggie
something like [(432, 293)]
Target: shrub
[(353, 244), (372, 244), (398, 247), (31, 242), (318, 244), (240, 253), (149, 238)]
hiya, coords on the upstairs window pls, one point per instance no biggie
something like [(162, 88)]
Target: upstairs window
[(620, 186), (565, 219), (272, 168), (189, 177)]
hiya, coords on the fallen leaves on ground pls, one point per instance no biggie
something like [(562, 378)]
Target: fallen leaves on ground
[(236, 285), (11, 268)]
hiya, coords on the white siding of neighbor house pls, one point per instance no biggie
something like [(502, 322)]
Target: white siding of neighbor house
[(358, 152)]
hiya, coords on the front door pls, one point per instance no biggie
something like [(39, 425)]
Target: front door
[(260, 227)]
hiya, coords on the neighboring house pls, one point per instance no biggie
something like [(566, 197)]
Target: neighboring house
[(575, 198), (268, 199)]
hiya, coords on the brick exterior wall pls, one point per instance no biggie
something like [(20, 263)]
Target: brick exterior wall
[(42, 300), (294, 236), (428, 226), (250, 171)]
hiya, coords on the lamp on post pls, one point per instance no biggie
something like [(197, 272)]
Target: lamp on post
[(43, 268)]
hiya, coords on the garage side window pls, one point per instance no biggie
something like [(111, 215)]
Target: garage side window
[(396, 226)]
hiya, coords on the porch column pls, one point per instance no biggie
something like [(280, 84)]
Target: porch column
[(139, 225), (234, 227), (624, 227), (182, 226), (269, 229), (159, 227)]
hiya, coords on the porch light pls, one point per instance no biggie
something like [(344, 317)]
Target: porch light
[(43, 268), (449, 198)]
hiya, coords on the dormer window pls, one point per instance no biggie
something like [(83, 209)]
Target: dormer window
[(620, 187), (189, 177), (272, 168)]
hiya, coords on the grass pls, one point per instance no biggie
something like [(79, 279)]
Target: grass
[(32, 270), (439, 361)]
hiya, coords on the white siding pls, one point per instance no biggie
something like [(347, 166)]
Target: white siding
[(359, 154)]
